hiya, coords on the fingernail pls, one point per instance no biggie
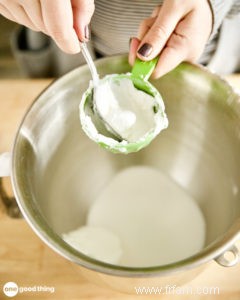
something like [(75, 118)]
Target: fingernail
[(145, 50), (86, 32)]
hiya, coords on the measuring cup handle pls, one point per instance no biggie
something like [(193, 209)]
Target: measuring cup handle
[(144, 69)]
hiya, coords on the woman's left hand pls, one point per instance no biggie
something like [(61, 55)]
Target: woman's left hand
[(177, 31)]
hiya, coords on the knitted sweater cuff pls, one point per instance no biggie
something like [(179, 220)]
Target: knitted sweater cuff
[(220, 9)]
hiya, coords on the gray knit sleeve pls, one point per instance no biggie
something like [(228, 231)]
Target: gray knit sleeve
[(220, 9), (235, 10)]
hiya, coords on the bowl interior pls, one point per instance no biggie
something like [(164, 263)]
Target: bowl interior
[(59, 172)]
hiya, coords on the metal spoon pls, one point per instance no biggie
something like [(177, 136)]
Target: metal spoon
[(101, 124)]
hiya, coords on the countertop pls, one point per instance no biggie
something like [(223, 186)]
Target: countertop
[(26, 260)]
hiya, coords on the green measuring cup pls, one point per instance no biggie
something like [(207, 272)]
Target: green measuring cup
[(100, 132)]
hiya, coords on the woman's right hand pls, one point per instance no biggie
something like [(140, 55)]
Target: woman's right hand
[(66, 21)]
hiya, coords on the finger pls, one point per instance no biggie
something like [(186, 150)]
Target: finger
[(19, 14), (156, 11), (145, 26), (58, 20), (172, 55), (133, 49), (6, 13), (156, 38), (147, 23), (34, 13), (82, 14)]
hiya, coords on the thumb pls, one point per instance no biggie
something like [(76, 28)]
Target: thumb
[(82, 14), (157, 36)]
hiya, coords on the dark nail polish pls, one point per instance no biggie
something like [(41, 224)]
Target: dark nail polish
[(145, 50), (86, 32)]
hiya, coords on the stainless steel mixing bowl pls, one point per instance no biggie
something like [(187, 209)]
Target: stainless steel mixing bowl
[(57, 172)]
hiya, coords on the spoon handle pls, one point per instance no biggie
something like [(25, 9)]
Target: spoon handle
[(90, 63)]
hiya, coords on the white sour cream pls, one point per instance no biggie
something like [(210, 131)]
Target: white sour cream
[(96, 242), (127, 110)]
